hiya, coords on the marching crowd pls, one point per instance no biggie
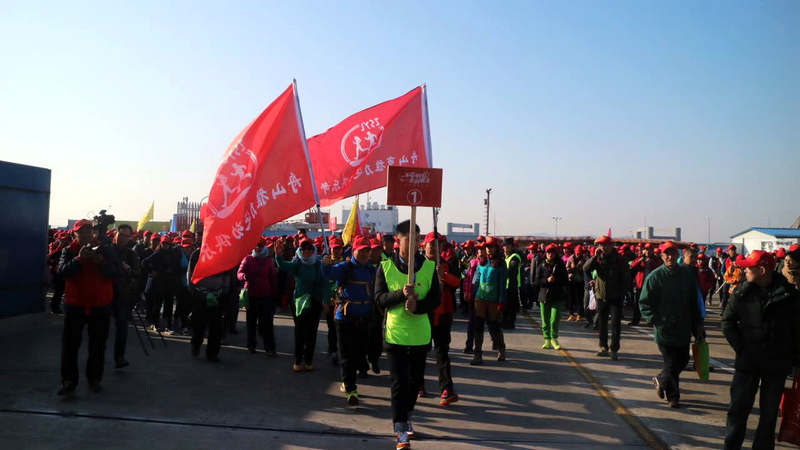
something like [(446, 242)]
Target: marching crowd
[(362, 291)]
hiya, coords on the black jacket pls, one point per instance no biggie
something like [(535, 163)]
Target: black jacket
[(613, 276), (555, 291), (762, 327)]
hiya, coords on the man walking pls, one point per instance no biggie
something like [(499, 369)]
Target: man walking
[(613, 279), (669, 301), (760, 323)]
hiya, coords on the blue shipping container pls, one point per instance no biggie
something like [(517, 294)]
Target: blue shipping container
[(25, 199)]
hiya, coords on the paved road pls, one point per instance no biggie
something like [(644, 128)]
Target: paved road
[(537, 399)]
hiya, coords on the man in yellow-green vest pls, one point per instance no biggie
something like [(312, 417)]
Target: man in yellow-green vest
[(407, 335), (513, 283)]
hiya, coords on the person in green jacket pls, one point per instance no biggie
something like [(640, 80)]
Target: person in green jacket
[(669, 301), (311, 296)]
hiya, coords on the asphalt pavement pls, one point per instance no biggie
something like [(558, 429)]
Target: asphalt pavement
[(537, 399)]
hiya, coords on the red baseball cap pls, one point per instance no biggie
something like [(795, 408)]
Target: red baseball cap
[(795, 248), (336, 242), (719, 249), (668, 246), (361, 243), (757, 258), (187, 234), (551, 248), (155, 237), (648, 245), (186, 242), (491, 241), (781, 253), (567, 244), (578, 248), (481, 239), (374, 243), (176, 240), (602, 240), (731, 247), (82, 223), (430, 237)]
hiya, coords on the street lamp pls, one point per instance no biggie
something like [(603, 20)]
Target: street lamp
[(556, 220)]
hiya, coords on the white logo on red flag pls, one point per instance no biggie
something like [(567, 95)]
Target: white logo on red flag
[(262, 179), (352, 157)]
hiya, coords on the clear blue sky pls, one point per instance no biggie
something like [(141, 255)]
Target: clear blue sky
[(603, 114)]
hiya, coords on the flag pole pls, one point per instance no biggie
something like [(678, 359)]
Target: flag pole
[(302, 130), (426, 131)]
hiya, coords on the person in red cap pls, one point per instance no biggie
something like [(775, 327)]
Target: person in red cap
[(610, 286), (575, 287), (705, 277), (513, 284), (88, 272), (163, 268), (260, 275), (669, 302), (489, 285), (733, 276), (536, 257), (62, 240), (640, 269), (375, 252), (125, 291), (791, 265), (337, 256), (311, 296), (760, 323), (552, 279), (479, 258), (183, 298), (442, 317)]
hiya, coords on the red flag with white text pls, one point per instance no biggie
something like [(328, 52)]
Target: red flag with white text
[(352, 157), (263, 179)]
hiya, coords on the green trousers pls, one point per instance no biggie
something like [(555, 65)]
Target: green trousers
[(551, 316)]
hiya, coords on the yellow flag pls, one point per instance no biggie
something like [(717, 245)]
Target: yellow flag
[(352, 228), (191, 228), (148, 216)]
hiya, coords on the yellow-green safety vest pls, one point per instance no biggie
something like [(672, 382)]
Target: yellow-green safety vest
[(403, 327), (519, 269)]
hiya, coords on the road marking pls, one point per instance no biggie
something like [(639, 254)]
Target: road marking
[(647, 435)]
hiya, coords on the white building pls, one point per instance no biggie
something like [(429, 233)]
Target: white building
[(769, 239), (379, 218)]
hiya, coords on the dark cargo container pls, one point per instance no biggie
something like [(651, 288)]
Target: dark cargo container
[(25, 201)]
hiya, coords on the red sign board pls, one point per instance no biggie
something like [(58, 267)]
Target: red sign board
[(414, 186)]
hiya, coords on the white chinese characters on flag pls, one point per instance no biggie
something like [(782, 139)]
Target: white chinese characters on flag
[(263, 179), (352, 157)]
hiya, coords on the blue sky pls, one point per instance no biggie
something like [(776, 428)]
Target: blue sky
[(603, 114)]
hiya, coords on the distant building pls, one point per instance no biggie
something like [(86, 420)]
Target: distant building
[(467, 232), (378, 218), (651, 233), (763, 238)]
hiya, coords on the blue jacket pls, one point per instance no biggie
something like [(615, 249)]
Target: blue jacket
[(494, 280), (356, 283)]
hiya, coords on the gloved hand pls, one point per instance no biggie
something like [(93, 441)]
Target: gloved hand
[(501, 307), (211, 300)]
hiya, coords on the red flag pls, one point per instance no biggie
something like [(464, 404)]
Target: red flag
[(263, 178), (352, 157)]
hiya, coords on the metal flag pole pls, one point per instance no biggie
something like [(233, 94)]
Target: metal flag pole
[(302, 130)]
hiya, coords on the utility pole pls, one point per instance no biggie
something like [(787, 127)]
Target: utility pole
[(708, 230), (486, 205), (556, 220)]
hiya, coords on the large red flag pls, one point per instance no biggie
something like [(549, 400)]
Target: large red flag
[(264, 178), (352, 157)]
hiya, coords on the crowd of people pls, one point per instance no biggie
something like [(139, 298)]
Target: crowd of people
[(373, 306)]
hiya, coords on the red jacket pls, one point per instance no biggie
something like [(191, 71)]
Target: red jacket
[(641, 270), (449, 282), (86, 285)]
